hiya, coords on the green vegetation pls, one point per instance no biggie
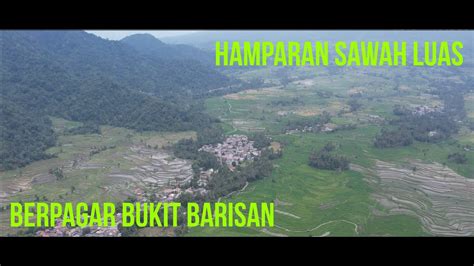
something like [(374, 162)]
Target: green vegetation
[(426, 125), (260, 140), (319, 202), (95, 81), (87, 128), (354, 105), (314, 123), (96, 113), (315, 196), (188, 148), (459, 158), (24, 136), (85, 161), (393, 138), (324, 159), (440, 125), (224, 180), (80, 166), (394, 225), (150, 46)]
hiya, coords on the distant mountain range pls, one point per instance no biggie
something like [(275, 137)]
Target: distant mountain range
[(121, 62), (148, 45), (206, 39)]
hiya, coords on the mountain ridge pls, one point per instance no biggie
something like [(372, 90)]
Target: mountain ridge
[(148, 44), (78, 76)]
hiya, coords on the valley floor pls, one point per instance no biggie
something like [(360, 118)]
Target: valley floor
[(381, 195)]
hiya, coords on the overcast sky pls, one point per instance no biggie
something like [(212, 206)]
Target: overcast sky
[(119, 34)]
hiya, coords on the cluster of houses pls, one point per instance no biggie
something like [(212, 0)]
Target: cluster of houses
[(424, 109), (171, 194), (328, 127), (297, 130), (235, 150), (168, 194), (93, 231), (375, 119)]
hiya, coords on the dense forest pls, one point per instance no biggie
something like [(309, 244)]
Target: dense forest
[(81, 77), (260, 140), (431, 127), (326, 159), (459, 158), (87, 128), (227, 181), (23, 136), (88, 56), (188, 148)]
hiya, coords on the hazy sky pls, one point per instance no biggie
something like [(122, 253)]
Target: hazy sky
[(119, 34)]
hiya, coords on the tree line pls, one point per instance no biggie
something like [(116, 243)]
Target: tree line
[(326, 159), (77, 76), (434, 126)]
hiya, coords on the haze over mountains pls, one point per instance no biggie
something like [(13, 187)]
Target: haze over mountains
[(206, 39), (148, 45), (79, 76)]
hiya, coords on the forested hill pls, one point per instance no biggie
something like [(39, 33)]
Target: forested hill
[(24, 135), (148, 45), (88, 55), (78, 76)]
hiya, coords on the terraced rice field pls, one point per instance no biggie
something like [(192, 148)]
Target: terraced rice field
[(153, 168), (442, 199), (128, 161), (382, 194)]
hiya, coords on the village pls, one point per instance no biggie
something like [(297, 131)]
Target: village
[(424, 109), (167, 194), (235, 150), (328, 127), (93, 231)]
